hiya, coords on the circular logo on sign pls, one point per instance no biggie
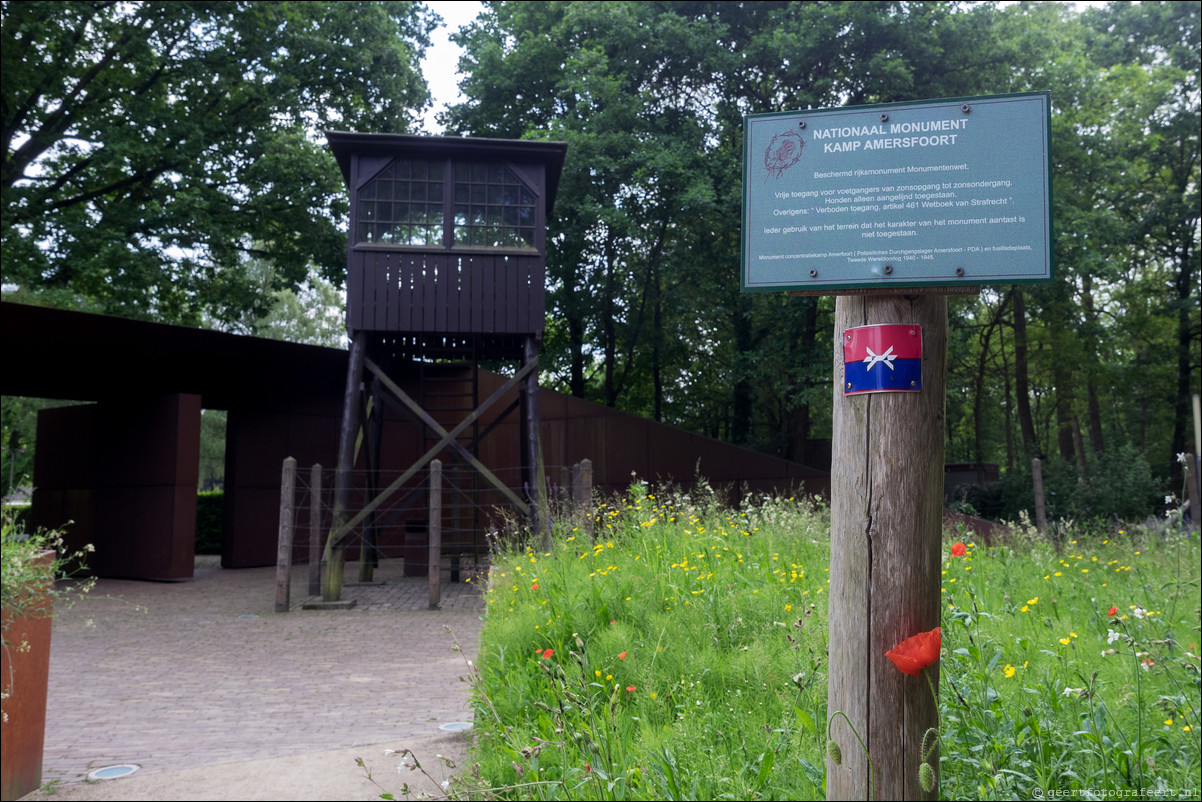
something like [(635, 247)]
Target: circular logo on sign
[(783, 152)]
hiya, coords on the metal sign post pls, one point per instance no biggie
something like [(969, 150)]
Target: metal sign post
[(892, 207)]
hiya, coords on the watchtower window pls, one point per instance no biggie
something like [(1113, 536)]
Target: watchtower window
[(493, 208), (402, 205)]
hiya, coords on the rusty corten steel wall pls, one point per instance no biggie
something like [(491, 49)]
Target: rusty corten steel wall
[(618, 443), (571, 430), (126, 474)]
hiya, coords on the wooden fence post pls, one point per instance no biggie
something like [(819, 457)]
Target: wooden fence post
[(435, 534), (283, 557), (582, 492), (1041, 518), (886, 552), (315, 529)]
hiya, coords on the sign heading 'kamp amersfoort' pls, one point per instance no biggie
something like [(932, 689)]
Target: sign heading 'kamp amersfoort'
[(939, 193)]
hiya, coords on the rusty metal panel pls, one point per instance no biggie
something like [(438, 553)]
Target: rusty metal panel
[(553, 434), (671, 452), (136, 493)]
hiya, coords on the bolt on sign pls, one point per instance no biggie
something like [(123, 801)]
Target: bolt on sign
[(941, 193)]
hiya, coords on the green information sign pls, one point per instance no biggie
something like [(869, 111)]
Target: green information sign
[(941, 193)]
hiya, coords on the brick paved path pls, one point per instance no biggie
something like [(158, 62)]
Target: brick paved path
[(178, 675)]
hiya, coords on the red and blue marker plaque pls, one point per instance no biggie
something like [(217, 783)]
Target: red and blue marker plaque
[(882, 359)]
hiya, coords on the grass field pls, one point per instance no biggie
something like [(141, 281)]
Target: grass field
[(680, 652)]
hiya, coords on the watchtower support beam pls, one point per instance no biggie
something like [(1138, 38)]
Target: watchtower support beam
[(331, 584)]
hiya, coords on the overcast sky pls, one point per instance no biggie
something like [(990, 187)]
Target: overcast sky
[(442, 58)]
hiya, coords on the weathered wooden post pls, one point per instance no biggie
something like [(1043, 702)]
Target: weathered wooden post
[(315, 529), (283, 557), (532, 456), (374, 430), (335, 553), (892, 207), (886, 528), (435, 534), (582, 492)]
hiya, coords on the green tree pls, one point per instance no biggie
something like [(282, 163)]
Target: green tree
[(1151, 50), (645, 309), (149, 148)]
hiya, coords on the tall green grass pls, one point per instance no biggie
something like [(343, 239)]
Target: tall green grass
[(680, 652)]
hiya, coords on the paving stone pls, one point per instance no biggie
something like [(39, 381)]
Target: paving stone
[(179, 675)]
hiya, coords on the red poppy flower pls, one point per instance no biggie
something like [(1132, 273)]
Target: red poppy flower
[(547, 654), (534, 586), (1112, 612), (629, 689), (622, 656), (917, 652), (959, 549)]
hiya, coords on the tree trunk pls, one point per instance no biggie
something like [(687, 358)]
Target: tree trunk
[(1185, 335), (1009, 406), (1022, 381), (1063, 379), (742, 394), (576, 346), (1093, 408), (608, 335)]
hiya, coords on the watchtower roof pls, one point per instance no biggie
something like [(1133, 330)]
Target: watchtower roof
[(346, 143)]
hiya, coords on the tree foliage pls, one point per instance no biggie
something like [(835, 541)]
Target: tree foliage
[(161, 161), (645, 311), (150, 148)]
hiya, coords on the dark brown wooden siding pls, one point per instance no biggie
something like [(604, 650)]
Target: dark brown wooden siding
[(477, 293)]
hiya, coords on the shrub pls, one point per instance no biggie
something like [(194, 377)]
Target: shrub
[(210, 513)]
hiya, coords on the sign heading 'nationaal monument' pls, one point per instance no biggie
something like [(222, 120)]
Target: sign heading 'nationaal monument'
[(940, 193)]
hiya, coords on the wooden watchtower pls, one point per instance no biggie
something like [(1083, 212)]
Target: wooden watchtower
[(446, 260)]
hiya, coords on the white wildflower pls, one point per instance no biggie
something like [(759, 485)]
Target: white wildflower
[(1113, 636), (1181, 458)]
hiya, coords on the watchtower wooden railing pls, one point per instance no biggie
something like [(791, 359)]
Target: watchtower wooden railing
[(445, 293)]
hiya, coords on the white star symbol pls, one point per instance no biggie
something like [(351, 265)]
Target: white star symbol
[(885, 359)]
